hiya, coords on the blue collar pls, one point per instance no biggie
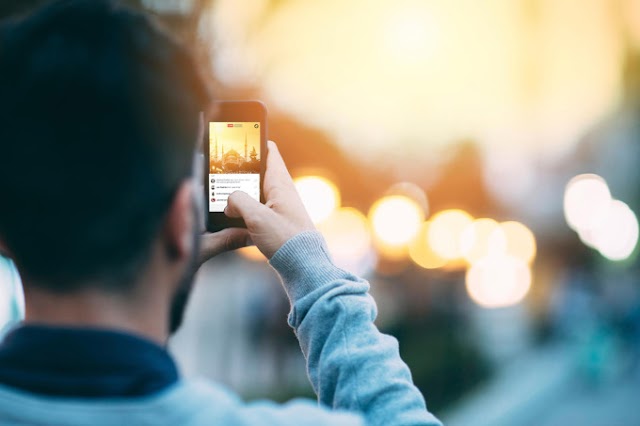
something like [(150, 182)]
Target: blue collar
[(84, 362)]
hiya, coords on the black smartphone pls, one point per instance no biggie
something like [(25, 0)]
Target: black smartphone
[(235, 150)]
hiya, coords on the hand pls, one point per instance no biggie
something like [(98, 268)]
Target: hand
[(213, 244), (282, 217)]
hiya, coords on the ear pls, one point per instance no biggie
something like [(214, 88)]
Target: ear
[(178, 227)]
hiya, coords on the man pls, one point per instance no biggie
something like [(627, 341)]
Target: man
[(107, 241)]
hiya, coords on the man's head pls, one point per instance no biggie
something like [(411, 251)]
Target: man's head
[(99, 120)]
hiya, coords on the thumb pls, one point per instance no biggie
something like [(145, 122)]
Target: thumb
[(240, 204)]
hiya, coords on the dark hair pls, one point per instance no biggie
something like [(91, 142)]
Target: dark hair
[(99, 113)]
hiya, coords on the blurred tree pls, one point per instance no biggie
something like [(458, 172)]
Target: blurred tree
[(461, 183), (444, 363)]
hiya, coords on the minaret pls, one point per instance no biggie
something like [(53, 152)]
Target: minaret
[(215, 157), (245, 147)]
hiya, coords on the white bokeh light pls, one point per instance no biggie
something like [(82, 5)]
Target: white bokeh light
[(602, 223), (616, 235), (395, 220), (445, 233), (480, 239), (586, 199), (498, 281), (319, 195)]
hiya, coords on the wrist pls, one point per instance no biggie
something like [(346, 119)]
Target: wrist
[(304, 264)]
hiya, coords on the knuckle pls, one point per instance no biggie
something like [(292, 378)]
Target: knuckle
[(256, 218)]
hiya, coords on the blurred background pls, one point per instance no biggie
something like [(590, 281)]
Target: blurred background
[(477, 161)]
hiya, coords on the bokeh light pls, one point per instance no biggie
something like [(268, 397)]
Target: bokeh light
[(421, 252), (602, 223), (413, 191), (498, 281), (586, 199), (445, 232), (518, 239), (480, 238), (319, 195), (615, 236), (396, 220), (348, 238)]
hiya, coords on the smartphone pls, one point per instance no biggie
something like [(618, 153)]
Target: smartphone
[(235, 150)]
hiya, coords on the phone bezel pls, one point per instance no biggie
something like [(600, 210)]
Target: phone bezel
[(234, 111)]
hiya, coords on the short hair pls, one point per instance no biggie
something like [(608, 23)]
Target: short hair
[(99, 117)]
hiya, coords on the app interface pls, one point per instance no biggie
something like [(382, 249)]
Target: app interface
[(234, 161)]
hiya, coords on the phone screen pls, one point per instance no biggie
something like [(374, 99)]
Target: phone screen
[(234, 161)]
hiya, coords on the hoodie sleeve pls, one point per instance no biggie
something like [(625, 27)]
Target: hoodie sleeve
[(351, 364)]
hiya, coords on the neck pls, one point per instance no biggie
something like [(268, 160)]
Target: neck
[(99, 309)]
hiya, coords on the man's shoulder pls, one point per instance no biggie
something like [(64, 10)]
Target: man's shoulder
[(187, 402)]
